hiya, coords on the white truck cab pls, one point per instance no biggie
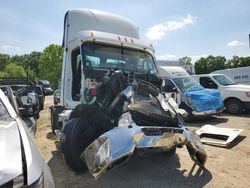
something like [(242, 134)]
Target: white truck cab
[(95, 42), (189, 94), (236, 98)]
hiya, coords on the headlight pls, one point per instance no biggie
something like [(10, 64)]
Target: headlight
[(248, 94), (97, 154)]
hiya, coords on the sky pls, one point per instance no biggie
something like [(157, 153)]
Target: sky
[(176, 28)]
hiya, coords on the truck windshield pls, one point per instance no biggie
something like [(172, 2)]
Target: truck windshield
[(112, 57), (187, 84), (223, 80)]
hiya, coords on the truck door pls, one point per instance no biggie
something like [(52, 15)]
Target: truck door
[(171, 89), (207, 82)]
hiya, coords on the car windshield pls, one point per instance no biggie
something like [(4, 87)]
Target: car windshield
[(187, 84), (3, 112), (111, 57), (223, 80)]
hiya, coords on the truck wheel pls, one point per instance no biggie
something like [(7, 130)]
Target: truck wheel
[(234, 106), (79, 133)]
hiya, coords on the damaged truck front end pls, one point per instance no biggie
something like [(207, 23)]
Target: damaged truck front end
[(118, 144), (150, 122)]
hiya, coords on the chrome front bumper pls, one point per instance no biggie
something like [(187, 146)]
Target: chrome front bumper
[(119, 143)]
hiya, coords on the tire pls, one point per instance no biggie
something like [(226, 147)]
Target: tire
[(234, 106), (79, 133), (72, 158)]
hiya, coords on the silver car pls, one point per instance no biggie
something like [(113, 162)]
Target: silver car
[(21, 163)]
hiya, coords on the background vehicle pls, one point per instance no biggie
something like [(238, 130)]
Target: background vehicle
[(46, 87), (189, 94), (103, 55), (41, 97), (189, 68), (24, 86), (21, 163), (238, 75), (236, 98), (24, 107)]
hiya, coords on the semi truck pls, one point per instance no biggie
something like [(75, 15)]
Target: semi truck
[(110, 99)]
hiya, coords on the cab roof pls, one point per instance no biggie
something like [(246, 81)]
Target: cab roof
[(172, 72), (95, 20)]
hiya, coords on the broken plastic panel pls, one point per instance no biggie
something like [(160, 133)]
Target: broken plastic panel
[(218, 136)]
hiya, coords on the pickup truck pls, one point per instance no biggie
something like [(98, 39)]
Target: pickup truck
[(236, 97), (189, 94)]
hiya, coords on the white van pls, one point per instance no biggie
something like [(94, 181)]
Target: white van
[(238, 75), (189, 94), (236, 98)]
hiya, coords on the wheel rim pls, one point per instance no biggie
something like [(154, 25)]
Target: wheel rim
[(233, 108)]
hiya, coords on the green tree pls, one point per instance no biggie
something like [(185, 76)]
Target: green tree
[(238, 62), (13, 70), (50, 64), (210, 64), (185, 61), (30, 63), (201, 66), (244, 61), (4, 60)]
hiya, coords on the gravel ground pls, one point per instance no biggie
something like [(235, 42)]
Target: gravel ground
[(226, 167)]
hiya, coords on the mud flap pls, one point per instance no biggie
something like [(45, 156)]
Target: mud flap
[(195, 148)]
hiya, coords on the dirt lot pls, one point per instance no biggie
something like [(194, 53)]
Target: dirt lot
[(226, 167)]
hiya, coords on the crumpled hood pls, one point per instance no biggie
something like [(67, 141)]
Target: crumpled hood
[(204, 100), (10, 151)]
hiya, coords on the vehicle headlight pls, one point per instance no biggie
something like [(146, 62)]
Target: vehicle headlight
[(97, 154), (248, 94), (39, 183)]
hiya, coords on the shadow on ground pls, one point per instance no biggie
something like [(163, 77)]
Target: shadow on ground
[(150, 170)]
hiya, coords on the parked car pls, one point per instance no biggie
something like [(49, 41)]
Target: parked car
[(24, 86), (189, 94), (23, 106), (22, 165), (46, 87), (56, 96), (236, 97)]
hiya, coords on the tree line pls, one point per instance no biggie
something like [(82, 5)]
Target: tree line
[(208, 64), (44, 65)]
